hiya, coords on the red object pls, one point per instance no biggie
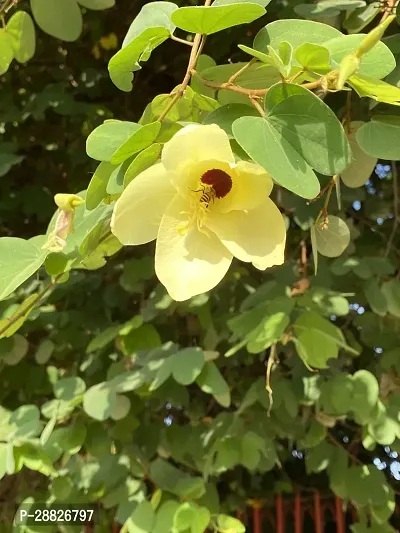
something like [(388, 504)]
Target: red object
[(339, 516), (318, 521), (280, 515), (257, 520), (298, 515)]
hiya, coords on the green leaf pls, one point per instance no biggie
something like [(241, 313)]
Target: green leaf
[(319, 339), (115, 184), (19, 259), (259, 138), (147, 158), (6, 51), (226, 115), (121, 408), (142, 518), (184, 516), (380, 138), (44, 351), (377, 63), (362, 164), (21, 28), (376, 298), (295, 32), (106, 139), (97, 4), (201, 520), (313, 57), (99, 401), (211, 382), (149, 29), (139, 140), (391, 291), (165, 516), (304, 121), (59, 18), (169, 478), (365, 395), (319, 457), (313, 236), (68, 389), (331, 241), (97, 189), (358, 19), (210, 19), (228, 524), (187, 365), (376, 89), (327, 8)]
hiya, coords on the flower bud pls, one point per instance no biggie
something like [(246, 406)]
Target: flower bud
[(68, 202), (374, 36), (347, 68)]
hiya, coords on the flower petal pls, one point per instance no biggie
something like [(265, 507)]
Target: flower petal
[(257, 236), (195, 143), (188, 264), (251, 185), (137, 213)]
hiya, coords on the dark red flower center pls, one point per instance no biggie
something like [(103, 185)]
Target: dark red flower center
[(220, 181)]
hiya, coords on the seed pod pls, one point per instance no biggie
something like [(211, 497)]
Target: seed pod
[(374, 36), (347, 68)]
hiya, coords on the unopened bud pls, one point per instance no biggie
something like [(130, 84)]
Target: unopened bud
[(374, 36), (68, 202), (347, 68)]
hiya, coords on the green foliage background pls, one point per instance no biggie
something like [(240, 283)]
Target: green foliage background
[(158, 411)]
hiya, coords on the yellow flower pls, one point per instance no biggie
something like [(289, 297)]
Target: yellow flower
[(203, 209)]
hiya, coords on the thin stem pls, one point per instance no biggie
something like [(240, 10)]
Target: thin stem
[(26, 310), (389, 9), (240, 71), (257, 106), (198, 44), (271, 361), (293, 78), (183, 41), (395, 178)]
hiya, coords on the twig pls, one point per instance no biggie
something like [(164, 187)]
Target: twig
[(198, 44), (257, 106), (241, 70), (395, 177), (183, 41), (271, 361), (388, 9), (26, 310), (337, 443)]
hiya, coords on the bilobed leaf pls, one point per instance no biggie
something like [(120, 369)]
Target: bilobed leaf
[(59, 18), (184, 516), (391, 291), (21, 28), (319, 340), (6, 51), (187, 365), (139, 140), (377, 63), (265, 58), (150, 28), (165, 516), (313, 57), (97, 4), (381, 137), (201, 520), (141, 162), (376, 298), (358, 19), (262, 3), (331, 241), (295, 32), (226, 115), (115, 184), (212, 382), (365, 394), (265, 146), (228, 524), (378, 90), (97, 189), (68, 389), (327, 8), (121, 408), (19, 259), (310, 126), (99, 401), (142, 518), (211, 19), (106, 139), (362, 164)]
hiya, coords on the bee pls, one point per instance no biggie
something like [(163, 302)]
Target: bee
[(207, 195)]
